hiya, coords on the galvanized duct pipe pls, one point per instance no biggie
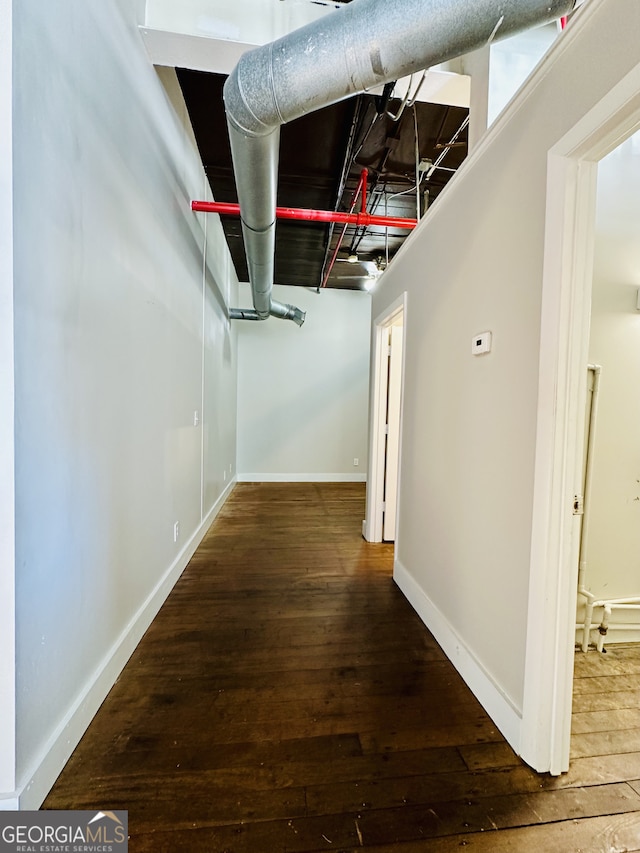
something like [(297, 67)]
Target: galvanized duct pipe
[(365, 44)]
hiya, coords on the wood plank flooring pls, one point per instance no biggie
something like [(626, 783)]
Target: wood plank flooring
[(287, 698)]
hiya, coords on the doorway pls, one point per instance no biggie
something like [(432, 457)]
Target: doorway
[(609, 580), (387, 376), (566, 314)]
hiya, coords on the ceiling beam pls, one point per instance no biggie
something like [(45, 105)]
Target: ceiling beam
[(199, 53)]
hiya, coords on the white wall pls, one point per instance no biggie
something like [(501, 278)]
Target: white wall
[(7, 484), (512, 61), (614, 541), (475, 263), (497, 72), (476, 65), (303, 391), (120, 337)]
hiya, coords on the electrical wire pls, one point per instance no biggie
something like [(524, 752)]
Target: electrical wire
[(408, 101), (411, 189), (365, 137), (440, 158), (403, 104)]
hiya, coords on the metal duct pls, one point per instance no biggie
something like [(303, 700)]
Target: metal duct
[(362, 45)]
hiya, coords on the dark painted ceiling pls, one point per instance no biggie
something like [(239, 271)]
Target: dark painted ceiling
[(321, 158)]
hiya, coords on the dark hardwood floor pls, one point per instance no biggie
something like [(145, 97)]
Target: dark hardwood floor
[(287, 698)]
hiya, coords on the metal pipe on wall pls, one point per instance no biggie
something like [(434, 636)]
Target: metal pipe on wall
[(591, 602), (595, 371), (360, 46)]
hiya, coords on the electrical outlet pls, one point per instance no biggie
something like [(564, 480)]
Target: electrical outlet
[(224, 476), (356, 461), (196, 418), (176, 531), (481, 343)]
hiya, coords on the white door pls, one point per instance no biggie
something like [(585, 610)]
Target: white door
[(384, 445), (393, 432)]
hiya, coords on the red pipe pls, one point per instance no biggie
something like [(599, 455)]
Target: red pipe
[(361, 218), (362, 184), (351, 218)]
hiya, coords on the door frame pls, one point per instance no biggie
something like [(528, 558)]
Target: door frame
[(372, 524), (565, 320), (392, 450)]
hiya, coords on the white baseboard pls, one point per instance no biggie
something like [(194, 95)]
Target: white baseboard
[(9, 804), (496, 703), (66, 737), (302, 478)]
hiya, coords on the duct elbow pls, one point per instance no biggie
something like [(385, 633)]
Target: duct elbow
[(248, 96), (284, 312), (298, 316), (288, 312)]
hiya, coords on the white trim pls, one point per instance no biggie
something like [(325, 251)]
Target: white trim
[(372, 525), (488, 692), (203, 359), (9, 804), (66, 737), (555, 530), (302, 478), (571, 193), (405, 320), (7, 399)]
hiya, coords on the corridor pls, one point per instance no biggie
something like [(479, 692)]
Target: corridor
[(287, 698)]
